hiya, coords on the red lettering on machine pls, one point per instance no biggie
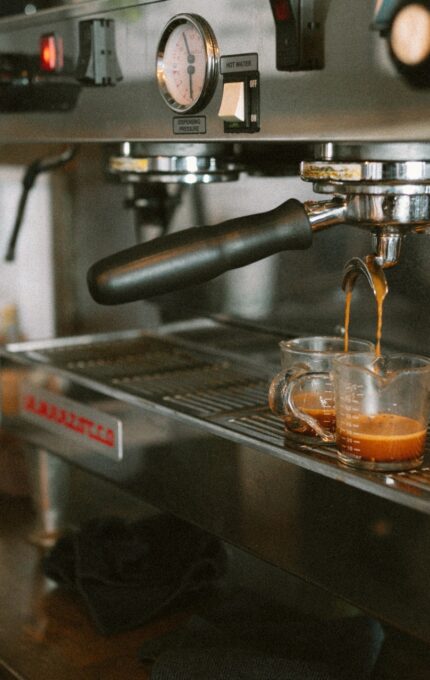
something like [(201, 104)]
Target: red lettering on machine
[(85, 427)]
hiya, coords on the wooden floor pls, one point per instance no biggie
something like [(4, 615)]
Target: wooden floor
[(44, 632)]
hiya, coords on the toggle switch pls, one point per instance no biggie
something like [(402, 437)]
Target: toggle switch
[(232, 107), (299, 34), (97, 63), (240, 104)]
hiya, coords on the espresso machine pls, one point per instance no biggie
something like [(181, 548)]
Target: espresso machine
[(209, 145)]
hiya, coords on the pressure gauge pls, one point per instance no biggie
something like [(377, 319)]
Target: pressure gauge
[(187, 63)]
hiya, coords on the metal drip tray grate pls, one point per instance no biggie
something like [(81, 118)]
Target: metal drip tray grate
[(206, 390), (105, 361), (154, 368)]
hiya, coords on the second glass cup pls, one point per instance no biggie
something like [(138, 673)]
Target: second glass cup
[(303, 391), (382, 410)]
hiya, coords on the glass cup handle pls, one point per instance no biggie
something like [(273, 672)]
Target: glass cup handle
[(288, 399), (275, 394), (278, 386)]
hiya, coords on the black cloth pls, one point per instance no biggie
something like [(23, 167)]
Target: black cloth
[(127, 573), (242, 638), (228, 664)]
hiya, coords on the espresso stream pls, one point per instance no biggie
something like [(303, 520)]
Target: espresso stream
[(380, 289)]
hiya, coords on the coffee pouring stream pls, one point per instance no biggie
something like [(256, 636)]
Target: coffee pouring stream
[(374, 274)]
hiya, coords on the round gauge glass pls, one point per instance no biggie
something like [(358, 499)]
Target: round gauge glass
[(187, 63)]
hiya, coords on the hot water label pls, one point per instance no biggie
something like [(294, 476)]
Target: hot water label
[(87, 426), (239, 63)]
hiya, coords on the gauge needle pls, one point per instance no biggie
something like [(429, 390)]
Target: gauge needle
[(190, 70), (187, 46), (191, 59)]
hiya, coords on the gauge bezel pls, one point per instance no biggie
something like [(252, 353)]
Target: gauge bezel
[(212, 62)]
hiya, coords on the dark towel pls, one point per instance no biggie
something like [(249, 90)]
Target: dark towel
[(221, 664), (130, 572), (236, 642)]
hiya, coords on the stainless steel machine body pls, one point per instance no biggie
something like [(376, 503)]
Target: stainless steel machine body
[(177, 413), (358, 96)]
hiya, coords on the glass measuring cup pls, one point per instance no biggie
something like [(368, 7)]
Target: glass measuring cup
[(382, 410), (303, 391)]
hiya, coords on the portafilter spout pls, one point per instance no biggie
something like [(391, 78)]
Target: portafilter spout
[(372, 272), (387, 243), (198, 254)]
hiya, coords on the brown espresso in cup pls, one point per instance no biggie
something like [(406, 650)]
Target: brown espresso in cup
[(383, 437), (312, 403)]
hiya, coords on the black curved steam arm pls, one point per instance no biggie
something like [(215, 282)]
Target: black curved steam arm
[(199, 254), (32, 172)]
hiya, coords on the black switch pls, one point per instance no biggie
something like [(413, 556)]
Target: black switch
[(97, 63), (299, 35), (287, 22)]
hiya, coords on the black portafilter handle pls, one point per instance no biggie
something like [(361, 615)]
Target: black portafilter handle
[(195, 255)]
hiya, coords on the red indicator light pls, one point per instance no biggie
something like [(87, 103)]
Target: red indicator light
[(51, 53), (281, 10)]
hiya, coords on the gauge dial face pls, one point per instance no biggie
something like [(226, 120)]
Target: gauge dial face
[(187, 63)]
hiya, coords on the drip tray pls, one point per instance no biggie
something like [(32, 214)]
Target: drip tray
[(181, 380)]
